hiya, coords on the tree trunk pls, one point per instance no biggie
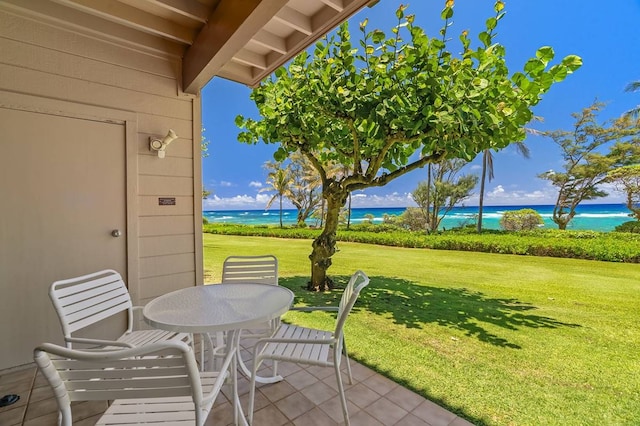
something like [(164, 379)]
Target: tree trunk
[(481, 199), (325, 245), (429, 198), (280, 211), (562, 219), (349, 213)]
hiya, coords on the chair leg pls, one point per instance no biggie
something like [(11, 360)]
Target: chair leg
[(346, 355), (257, 360), (343, 399)]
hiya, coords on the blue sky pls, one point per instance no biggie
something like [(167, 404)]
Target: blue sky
[(605, 34)]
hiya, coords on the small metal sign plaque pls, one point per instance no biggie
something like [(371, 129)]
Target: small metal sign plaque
[(167, 201)]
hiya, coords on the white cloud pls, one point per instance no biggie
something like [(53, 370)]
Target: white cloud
[(238, 202), (497, 190), (389, 200), (545, 195), (225, 184), (255, 184)]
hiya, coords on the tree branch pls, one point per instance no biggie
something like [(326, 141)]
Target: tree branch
[(387, 177)]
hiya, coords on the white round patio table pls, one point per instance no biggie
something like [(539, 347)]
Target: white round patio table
[(214, 308)]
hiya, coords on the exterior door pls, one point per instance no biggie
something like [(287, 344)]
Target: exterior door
[(62, 193)]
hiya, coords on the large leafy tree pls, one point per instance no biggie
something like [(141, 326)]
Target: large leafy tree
[(442, 191), (586, 161), (395, 104)]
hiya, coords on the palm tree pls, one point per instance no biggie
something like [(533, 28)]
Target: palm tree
[(278, 180), (634, 86), (487, 169)]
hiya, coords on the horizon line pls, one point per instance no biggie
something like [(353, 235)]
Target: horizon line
[(405, 207)]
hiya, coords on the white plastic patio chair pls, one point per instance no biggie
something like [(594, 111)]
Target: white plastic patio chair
[(89, 299), (155, 384), (310, 346), (260, 269)]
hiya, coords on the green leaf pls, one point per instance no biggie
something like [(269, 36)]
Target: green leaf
[(480, 82), (446, 13), (485, 38), (558, 73), (377, 36), (545, 54), (573, 62), (491, 23), (534, 66), (280, 154)]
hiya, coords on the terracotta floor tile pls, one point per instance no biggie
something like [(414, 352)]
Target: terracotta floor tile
[(411, 420), (433, 414), (385, 411), (362, 418), (50, 419), (361, 395), (41, 408), (276, 391), (301, 379), (404, 398), (333, 408), (380, 384), (21, 375), (12, 417), (314, 417), (269, 416), (294, 405), (460, 422), (318, 392)]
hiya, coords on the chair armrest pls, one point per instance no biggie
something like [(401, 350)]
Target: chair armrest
[(98, 342), (315, 308)]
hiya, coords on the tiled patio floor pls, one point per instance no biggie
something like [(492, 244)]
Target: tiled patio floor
[(307, 396)]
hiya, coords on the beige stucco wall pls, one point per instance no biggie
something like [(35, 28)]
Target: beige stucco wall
[(48, 69)]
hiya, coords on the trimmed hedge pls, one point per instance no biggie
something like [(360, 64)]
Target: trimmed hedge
[(605, 246)]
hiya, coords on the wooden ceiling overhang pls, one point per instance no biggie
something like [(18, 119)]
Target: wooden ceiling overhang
[(240, 40)]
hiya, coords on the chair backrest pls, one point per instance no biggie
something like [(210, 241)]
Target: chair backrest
[(86, 300), (165, 369), (252, 269), (358, 281)]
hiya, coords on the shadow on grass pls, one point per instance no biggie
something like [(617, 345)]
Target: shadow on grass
[(413, 306)]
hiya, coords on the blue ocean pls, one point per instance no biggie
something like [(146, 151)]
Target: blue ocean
[(595, 217)]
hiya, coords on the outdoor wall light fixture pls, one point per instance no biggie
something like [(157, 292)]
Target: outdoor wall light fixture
[(160, 145)]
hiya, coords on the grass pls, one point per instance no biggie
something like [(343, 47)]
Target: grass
[(497, 339)]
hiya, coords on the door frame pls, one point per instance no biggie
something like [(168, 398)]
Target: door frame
[(36, 104)]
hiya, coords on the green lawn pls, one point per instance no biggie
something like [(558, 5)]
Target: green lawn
[(497, 339)]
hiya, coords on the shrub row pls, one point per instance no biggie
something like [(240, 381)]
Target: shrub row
[(611, 246)]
